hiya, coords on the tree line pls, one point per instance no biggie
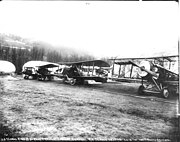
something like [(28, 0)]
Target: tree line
[(19, 56)]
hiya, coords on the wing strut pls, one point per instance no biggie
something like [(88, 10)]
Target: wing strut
[(156, 84), (119, 71), (93, 69), (131, 71)]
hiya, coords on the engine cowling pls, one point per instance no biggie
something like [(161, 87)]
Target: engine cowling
[(145, 68), (145, 65)]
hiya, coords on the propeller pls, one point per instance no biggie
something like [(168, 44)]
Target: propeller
[(144, 69)]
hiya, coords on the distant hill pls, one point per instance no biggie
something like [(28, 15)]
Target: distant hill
[(19, 50), (13, 41)]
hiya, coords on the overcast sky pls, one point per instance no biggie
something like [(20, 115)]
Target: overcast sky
[(123, 29)]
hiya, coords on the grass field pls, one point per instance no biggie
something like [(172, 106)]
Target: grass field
[(53, 110)]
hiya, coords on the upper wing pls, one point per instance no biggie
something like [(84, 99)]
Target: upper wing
[(159, 66), (127, 62), (142, 67), (48, 65), (159, 57), (99, 63)]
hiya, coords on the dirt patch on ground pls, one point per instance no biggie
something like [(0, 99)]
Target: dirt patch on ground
[(53, 110)]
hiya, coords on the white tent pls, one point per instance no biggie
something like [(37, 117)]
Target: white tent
[(6, 67)]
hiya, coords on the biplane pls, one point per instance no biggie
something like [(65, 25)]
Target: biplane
[(155, 77), (40, 70), (79, 72), (6, 67)]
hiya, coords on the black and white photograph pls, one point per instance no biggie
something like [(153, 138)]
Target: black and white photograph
[(89, 70)]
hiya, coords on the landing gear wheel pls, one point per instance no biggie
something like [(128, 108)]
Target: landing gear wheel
[(141, 90), (40, 78), (64, 80), (165, 93), (26, 77), (73, 82), (44, 78)]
